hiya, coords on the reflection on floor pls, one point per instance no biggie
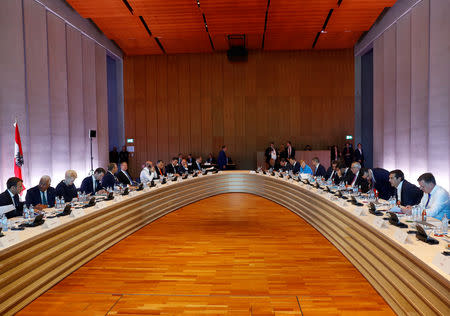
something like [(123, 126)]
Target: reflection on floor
[(233, 254)]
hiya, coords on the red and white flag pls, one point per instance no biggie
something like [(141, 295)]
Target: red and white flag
[(18, 154)]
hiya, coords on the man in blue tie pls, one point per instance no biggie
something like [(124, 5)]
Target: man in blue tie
[(435, 200), (123, 175), (92, 184), (42, 195)]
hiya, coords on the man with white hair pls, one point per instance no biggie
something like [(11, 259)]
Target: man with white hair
[(357, 179), (42, 195), (66, 188), (147, 173)]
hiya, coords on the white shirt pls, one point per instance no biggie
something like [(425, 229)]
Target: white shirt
[(399, 191), (439, 203), (146, 175), (273, 154), (93, 184)]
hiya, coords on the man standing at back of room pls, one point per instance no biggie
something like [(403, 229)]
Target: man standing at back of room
[(222, 161)]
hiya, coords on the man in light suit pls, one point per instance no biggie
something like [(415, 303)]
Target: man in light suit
[(123, 175), (222, 161), (42, 195), (148, 172), (11, 197), (92, 184)]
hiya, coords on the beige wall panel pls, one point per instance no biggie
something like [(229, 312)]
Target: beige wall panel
[(102, 106), (12, 89), (403, 92), (419, 88), (59, 113), (36, 61), (439, 113)]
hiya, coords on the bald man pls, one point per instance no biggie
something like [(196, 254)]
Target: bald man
[(42, 195)]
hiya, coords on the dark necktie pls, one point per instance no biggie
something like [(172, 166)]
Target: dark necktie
[(16, 201), (428, 201), (44, 199)]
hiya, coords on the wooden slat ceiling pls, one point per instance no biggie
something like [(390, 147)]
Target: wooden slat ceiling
[(186, 26)]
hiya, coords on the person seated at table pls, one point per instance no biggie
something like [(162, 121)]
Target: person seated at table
[(148, 173), (436, 199), (357, 179), (42, 195), (284, 165), (407, 194), (110, 180), (319, 170), (183, 168), (197, 165), (304, 168), (190, 160), (92, 184), (378, 179), (331, 172), (211, 160), (66, 188), (14, 186), (344, 174), (180, 157), (160, 170), (295, 165), (172, 168), (123, 175)]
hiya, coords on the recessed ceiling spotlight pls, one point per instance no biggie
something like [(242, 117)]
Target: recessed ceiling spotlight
[(323, 31), (347, 31)]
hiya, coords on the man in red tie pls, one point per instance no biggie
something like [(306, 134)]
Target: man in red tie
[(160, 170)]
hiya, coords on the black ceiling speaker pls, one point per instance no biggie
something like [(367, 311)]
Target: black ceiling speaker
[(237, 52)]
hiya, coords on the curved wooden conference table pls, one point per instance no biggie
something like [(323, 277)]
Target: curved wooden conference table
[(403, 275)]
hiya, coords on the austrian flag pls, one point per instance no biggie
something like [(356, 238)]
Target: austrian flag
[(18, 154)]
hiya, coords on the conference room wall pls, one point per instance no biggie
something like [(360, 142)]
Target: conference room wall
[(195, 103), (53, 80), (411, 93)]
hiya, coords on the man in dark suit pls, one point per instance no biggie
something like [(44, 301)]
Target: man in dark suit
[(358, 155), (160, 170), (335, 154), (408, 194), (344, 174), (222, 161), (378, 179), (284, 165), (173, 166), (295, 165), (184, 168), (123, 175), (211, 160), (197, 165), (11, 197), (114, 155), (290, 151), (347, 154), (319, 170), (92, 184), (190, 160), (66, 188), (110, 180), (358, 180), (124, 155), (332, 172), (42, 195)]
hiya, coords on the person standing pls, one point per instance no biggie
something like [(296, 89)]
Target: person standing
[(222, 161), (124, 155)]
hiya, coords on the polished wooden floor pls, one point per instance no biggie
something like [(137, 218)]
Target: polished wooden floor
[(232, 254)]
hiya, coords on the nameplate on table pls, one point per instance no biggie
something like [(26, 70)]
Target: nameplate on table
[(51, 223), (379, 222), (442, 262), (76, 213), (252, 172), (359, 211), (401, 236), (9, 239)]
